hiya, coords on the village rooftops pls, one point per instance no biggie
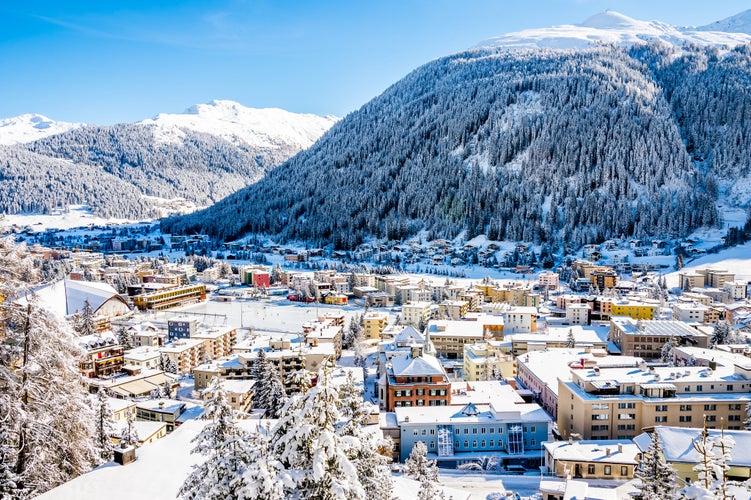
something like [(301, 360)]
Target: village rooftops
[(417, 366), (629, 326), (456, 328), (677, 444)]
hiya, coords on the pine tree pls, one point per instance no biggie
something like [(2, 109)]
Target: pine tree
[(571, 340), (306, 441), (47, 427), (721, 333), (85, 323), (124, 337), (105, 427), (418, 467), (666, 354), (231, 470), (372, 454), (658, 479), (747, 420), (129, 434)]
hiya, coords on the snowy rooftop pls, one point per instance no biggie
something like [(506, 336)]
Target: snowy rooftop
[(456, 328), (425, 365), (143, 353), (551, 364), (65, 297), (677, 444), (631, 326), (238, 386), (482, 392), (181, 345), (499, 411), (594, 451)]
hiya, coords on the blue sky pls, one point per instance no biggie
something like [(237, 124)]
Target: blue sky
[(104, 61)]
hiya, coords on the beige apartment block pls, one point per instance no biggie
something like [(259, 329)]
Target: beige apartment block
[(618, 403)]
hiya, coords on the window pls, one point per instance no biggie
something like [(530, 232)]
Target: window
[(424, 432), (600, 417), (432, 432), (661, 408), (482, 443), (590, 469), (456, 444), (711, 418), (432, 445), (474, 443), (699, 388), (729, 387), (684, 418), (415, 431), (685, 407), (466, 431), (474, 430), (492, 443), (626, 405), (599, 406), (734, 407), (533, 429), (661, 419), (482, 430), (608, 470), (626, 427), (710, 407), (734, 418), (626, 416), (624, 470)]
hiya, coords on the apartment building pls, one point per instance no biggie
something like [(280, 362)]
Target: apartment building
[(617, 403), (487, 361), (647, 338), (414, 379), (520, 320), (185, 353), (539, 371), (103, 355), (218, 342), (416, 313), (374, 323), (449, 337), (453, 309)]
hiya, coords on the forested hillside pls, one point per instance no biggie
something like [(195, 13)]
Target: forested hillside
[(537, 145), (202, 155)]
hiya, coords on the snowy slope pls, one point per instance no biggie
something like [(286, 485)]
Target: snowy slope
[(739, 23), (613, 27), (30, 127), (267, 128)]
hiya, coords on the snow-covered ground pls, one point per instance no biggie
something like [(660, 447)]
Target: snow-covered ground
[(75, 216)]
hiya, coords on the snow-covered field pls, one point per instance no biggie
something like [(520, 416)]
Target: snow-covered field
[(76, 216), (735, 260)]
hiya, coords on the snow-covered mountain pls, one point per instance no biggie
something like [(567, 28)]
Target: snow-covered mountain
[(30, 127), (739, 23), (263, 128), (613, 27), (202, 155)]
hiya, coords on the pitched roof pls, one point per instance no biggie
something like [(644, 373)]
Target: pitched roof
[(407, 366)]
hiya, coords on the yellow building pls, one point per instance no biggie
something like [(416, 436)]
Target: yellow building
[(635, 310), (374, 323)]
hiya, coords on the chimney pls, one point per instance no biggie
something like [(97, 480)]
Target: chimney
[(570, 440), (161, 404), (620, 448), (607, 452)]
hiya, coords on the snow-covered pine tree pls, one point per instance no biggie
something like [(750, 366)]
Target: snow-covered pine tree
[(229, 451), (306, 441), (747, 420), (658, 479), (124, 337), (666, 354), (277, 396), (47, 429), (721, 333), (105, 426), (570, 340), (260, 371), (371, 453), (169, 365), (418, 467), (84, 321), (129, 434), (264, 476)]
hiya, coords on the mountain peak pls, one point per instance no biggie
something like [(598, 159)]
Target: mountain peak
[(30, 127), (616, 28), (610, 19), (739, 23), (265, 127)]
